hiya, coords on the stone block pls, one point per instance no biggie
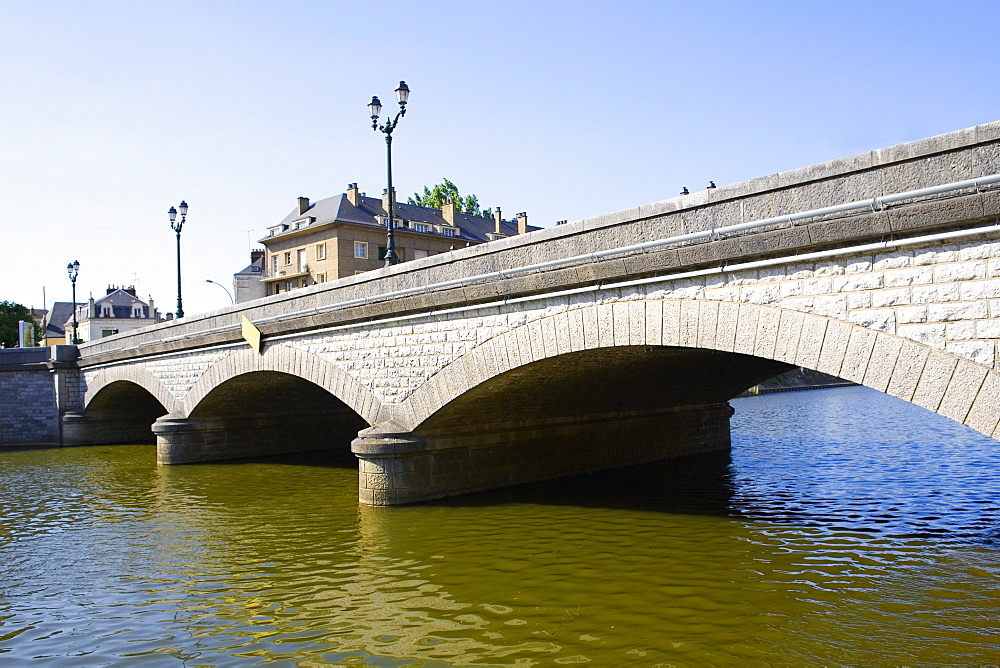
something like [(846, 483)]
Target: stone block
[(981, 250), (605, 326), (909, 276), (936, 293), (671, 329), (988, 329), (859, 351), (911, 314), (981, 352), (882, 362), (832, 306), (591, 328), (890, 297), (936, 213), (761, 294), (709, 252), (934, 380), (831, 357), (746, 329), (960, 271), (960, 331), (708, 319), (988, 289), (856, 282), (883, 320), (654, 322), (895, 259), (622, 331), (689, 323), (775, 241), (766, 337), (858, 300), (906, 373), (928, 334), (935, 255), (957, 311), (817, 286), (811, 342), (984, 416), (789, 332), (855, 227), (651, 262), (962, 390), (725, 331)]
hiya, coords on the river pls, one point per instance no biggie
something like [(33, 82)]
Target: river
[(844, 527)]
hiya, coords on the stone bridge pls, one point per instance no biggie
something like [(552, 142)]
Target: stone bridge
[(604, 342)]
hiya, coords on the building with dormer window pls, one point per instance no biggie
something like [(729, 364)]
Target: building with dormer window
[(120, 310), (346, 235)]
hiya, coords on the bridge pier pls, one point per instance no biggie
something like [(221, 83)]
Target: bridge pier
[(184, 440), (94, 428), (398, 467)]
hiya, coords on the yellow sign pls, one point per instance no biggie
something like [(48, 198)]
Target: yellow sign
[(251, 334)]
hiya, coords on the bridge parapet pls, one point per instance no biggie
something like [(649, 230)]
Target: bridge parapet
[(958, 156)]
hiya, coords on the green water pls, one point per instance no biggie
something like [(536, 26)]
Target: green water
[(845, 528)]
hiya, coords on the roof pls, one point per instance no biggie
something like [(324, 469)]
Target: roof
[(57, 317), (121, 304), (339, 209)]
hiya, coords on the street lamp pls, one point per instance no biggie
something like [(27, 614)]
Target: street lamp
[(176, 226), (208, 280), (74, 270), (374, 108)]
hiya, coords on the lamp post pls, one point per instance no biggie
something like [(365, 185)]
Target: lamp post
[(176, 226), (375, 107), (74, 270), (208, 280)]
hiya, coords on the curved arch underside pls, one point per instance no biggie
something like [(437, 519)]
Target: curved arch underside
[(121, 411), (607, 380), (649, 335)]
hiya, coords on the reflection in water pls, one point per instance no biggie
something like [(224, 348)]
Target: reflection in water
[(845, 527)]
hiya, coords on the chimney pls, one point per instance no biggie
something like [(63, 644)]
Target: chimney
[(522, 223), (352, 193), (448, 212), (91, 310), (303, 205), (130, 290), (498, 220), (256, 255), (385, 201)]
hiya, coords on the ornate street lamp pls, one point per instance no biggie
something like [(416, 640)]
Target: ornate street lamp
[(375, 108), (74, 270), (176, 226)]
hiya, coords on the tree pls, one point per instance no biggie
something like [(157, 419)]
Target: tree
[(12, 313), (435, 198)]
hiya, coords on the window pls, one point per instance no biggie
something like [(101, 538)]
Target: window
[(291, 285), (382, 251), (321, 278), (421, 227), (418, 254), (449, 231), (320, 251), (301, 259), (108, 332), (274, 265), (361, 250), (288, 257)]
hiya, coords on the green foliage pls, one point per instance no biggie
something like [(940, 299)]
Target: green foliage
[(12, 313), (435, 198)]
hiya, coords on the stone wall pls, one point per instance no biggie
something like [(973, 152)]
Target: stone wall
[(29, 414)]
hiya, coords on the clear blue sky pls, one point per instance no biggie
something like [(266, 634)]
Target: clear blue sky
[(114, 111)]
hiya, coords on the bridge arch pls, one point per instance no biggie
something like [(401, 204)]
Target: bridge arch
[(957, 388), (134, 374), (287, 360)]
